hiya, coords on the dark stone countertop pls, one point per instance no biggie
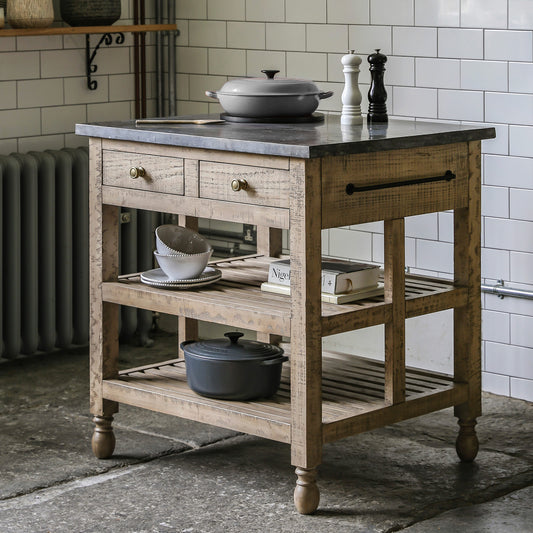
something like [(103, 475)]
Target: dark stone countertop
[(293, 140)]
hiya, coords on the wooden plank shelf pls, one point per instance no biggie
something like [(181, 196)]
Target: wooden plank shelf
[(84, 30), (352, 393), (90, 54), (237, 300)]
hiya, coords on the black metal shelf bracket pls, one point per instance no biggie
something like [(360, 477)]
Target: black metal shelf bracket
[(91, 68)]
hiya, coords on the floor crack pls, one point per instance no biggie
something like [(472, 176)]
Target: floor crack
[(503, 488)]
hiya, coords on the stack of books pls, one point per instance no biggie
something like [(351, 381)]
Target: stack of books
[(343, 281)]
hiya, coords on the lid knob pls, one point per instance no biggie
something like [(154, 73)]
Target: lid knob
[(233, 336), (270, 73)]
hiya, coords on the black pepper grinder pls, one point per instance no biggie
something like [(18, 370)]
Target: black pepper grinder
[(377, 95)]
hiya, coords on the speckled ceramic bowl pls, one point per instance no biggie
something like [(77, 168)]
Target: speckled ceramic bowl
[(174, 240), (182, 266)]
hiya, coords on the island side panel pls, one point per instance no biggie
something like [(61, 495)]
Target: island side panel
[(104, 317), (391, 171)]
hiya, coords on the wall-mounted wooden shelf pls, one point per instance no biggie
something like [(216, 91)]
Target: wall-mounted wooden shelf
[(105, 31), (69, 30)]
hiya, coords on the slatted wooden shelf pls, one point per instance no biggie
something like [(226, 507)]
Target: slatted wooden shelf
[(81, 30), (352, 392), (237, 300)]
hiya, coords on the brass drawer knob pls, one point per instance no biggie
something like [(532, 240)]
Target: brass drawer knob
[(137, 172), (239, 185)]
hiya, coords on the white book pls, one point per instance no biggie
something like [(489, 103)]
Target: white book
[(338, 275), (343, 298)]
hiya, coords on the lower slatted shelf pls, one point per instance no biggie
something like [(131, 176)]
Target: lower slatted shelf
[(352, 394)]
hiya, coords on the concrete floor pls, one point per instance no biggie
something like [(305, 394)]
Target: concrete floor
[(171, 475)]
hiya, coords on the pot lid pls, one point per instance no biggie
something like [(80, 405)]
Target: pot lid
[(232, 349), (269, 86)]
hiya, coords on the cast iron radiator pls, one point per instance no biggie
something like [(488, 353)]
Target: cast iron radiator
[(44, 234)]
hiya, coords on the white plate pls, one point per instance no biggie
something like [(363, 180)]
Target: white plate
[(157, 278)]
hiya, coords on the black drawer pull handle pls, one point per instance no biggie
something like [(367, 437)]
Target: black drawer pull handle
[(351, 188)]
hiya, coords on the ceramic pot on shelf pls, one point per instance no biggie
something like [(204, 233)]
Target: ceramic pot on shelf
[(29, 13), (90, 12)]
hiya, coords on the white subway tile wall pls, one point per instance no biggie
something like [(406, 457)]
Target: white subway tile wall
[(484, 75), (191, 9), (225, 9), (285, 36), (44, 87), (495, 264), (400, 12), (508, 45), (271, 11), (521, 141), (495, 327), (521, 267), (495, 201), (327, 38), (520, 77), (484, 13), (410, 41), (348, 12), (496, 383), (446, 226), (520, 14), (467, 61), (439, 73), (437, 13), (250, 35), (521, 388), (460, 105), (460, 43)]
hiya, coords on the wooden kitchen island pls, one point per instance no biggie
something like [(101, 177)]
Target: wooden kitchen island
[(302, 178)]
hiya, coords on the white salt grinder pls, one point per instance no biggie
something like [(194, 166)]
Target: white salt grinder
[(351, 95)]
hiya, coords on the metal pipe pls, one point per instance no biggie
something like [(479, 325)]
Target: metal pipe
[(143, 59), (502, 291), (172, 60), (136, 73), (159, 59)]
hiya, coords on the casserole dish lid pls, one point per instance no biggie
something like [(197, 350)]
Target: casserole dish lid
[(268, 86), (232, 349)]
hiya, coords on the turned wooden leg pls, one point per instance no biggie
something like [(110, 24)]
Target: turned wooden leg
[(467, 444), (306, 493), (103, 441)]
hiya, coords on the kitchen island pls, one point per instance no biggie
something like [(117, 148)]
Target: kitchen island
[(302, 178)]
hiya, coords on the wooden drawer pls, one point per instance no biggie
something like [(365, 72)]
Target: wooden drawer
[(386, 185), (259, 185), (162, 174)]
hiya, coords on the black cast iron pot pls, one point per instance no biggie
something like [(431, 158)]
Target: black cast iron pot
[(229, 369)]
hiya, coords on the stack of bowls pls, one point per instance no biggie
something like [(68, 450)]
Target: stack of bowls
[(181, 252)]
